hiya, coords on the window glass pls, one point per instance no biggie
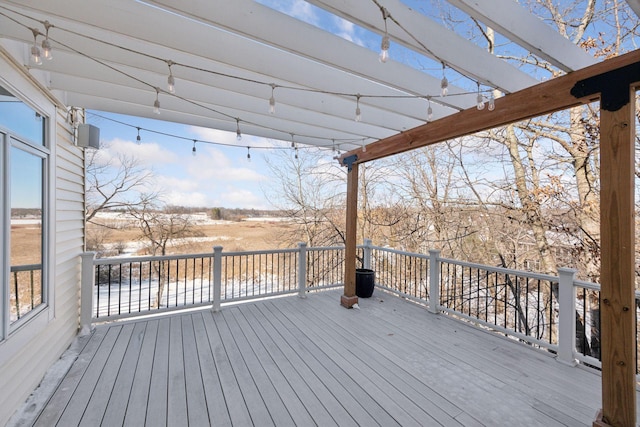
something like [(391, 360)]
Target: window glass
[(26, 249), (19, 118)]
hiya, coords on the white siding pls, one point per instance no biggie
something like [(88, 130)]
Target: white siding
[(26, 354)]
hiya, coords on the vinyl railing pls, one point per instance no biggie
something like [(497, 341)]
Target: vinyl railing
[(556, 313), (25, 289)]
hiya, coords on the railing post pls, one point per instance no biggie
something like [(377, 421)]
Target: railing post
[(434, 281), (566, 316), (87, 282), (217, 277), (366, 256), (302, 270)]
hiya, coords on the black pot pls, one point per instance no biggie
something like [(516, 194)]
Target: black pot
[(365, 282)]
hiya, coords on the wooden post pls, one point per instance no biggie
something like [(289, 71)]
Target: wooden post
[(217, 278), (617, 231), (566, 316), (302, 270), (87, 285), (617, 297), (349, 298), (434, 281)]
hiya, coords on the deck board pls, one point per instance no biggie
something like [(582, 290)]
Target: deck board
[(292, 361)]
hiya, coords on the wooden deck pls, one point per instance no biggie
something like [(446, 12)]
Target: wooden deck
[(292, 361)]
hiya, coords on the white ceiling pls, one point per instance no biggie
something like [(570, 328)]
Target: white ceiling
[(237, 44)]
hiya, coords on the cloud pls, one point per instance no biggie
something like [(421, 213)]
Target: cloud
[(347, 30), (147, 153), (212, 164), (228, 138), (241, 198)]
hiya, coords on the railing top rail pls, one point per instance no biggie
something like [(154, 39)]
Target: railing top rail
[(26, 267), (326, 248), (586, 285), (263, 252), (530, 274), (147, 258), (396, 251)]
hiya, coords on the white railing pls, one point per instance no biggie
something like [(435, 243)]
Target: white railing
[(547, 311)]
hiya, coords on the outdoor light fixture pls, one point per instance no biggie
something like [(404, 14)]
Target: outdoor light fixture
[(384, 44), (479, 99), (138, 139), (293, 143), (171, 81), (248, 154), (238, 133), (358, 114), (444, 83), (272, 100), (46, 45), (36, 56), (193, 150), (429, 110), (156, 103), (492, 102)]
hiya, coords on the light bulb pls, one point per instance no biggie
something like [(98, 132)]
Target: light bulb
[(248, 154), (138, 139), (272, 100), (171, 84), (296, 153), (46, 50), (156, 103), (238, 133), (480, 102), (358, 113), (492, 103), (429, 112), (444, 85), (384, 49), (364, 147), (193, 150)]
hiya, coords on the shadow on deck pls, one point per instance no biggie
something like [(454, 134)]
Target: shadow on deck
[(292, 361)]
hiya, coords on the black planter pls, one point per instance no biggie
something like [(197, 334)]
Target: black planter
[(365, 281)]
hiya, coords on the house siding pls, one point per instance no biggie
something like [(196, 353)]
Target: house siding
[(28, 352)]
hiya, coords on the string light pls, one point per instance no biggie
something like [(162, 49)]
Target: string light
[(171, 81), (138, 139), (293, 143), (492, 102), (248, 154), (36, 57), (384, 44), (444, 83), (272, 100), (296, 150), (364, 146), (193, 150), (156, 103), (429, 110), (46, 45), (358, 115), (479, 99), (238, 133)]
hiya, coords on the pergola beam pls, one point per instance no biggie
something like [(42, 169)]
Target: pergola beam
[(544, 98)]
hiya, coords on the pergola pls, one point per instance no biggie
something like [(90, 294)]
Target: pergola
[(229, 59)]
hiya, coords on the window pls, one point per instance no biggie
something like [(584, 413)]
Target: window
[(24, 159)]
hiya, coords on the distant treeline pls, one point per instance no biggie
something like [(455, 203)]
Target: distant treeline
[(217, 213), (26, 212)]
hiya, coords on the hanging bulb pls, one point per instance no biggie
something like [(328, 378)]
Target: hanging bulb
[(333, 143), (46, 45), (444, 83), (384, 49), (293, 143), (171, 81), (492, 102), (156, 103), (248, 154), (479, 99), (138, 139), (364, 147), (429, 111), (384, 44), (358, 114), (272, 100), (36, 57), (296, 156), (193, 150)]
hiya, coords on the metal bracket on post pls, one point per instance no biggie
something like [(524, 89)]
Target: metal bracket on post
[(614, 87), (349, 161)]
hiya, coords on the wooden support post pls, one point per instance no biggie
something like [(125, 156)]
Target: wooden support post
[(349, 298), (617, 231)]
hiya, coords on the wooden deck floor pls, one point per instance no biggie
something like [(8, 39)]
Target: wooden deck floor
[(292, 361)]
